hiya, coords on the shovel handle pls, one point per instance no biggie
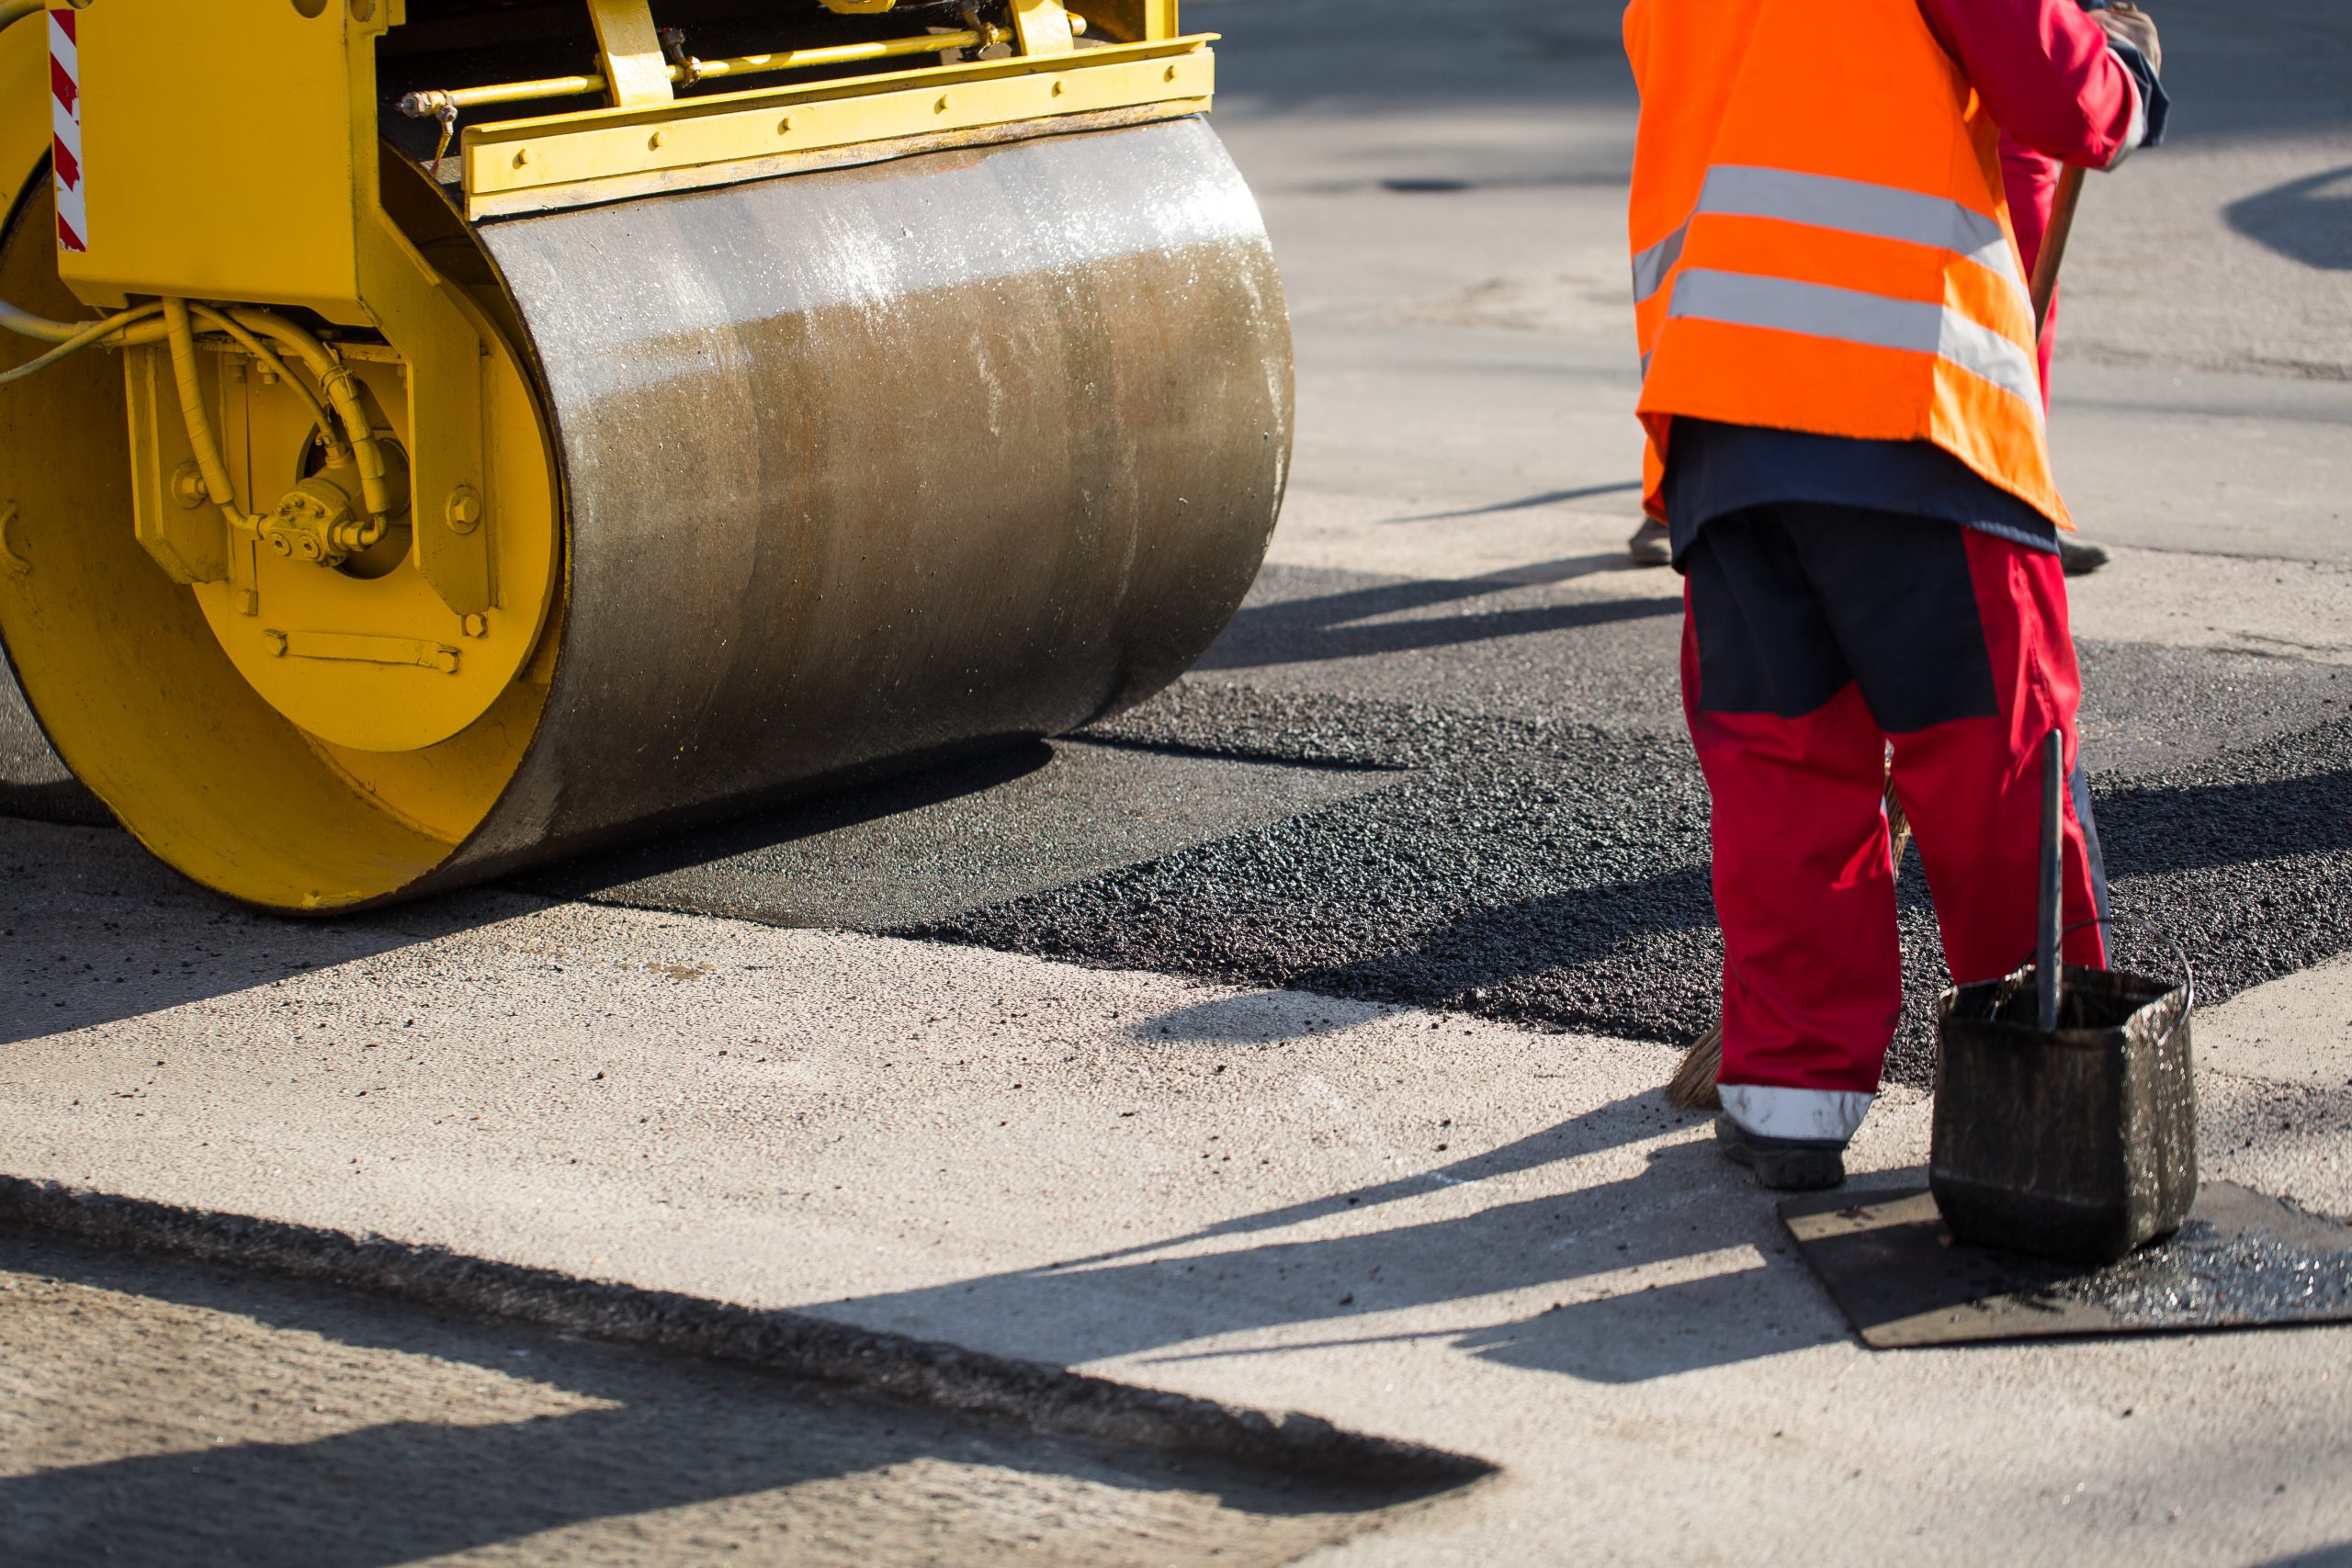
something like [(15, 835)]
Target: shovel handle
[(2046, 976)]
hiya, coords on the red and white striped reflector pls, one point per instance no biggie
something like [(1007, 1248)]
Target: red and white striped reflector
[(65, 126)]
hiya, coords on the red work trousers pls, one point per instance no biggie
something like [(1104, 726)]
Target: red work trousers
[(1815, 640)]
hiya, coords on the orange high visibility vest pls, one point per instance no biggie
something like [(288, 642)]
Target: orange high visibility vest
[(1819, 237)]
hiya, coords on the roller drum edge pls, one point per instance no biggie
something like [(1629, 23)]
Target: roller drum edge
[(857, 469), (33, 781)]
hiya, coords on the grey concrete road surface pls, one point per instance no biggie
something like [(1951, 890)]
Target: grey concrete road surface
[(1292, 1040), (263, 1423)]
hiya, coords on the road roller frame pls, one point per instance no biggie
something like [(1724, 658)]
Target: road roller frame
[(164, 220), (343, 596), (649, 141)]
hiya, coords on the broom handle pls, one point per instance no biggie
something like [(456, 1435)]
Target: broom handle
[(2047, 931), (2048, 937), (2054, 235)]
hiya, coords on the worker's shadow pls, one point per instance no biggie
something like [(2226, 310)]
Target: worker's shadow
[(1394, 617), (2307, 220), (2162, 829), (1590, 1255)]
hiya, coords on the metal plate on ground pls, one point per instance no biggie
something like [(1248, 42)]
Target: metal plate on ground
[(933, 845), (2243, 1260)]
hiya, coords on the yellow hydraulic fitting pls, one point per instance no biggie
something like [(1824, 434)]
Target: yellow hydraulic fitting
[(313, 522), (322, 522)]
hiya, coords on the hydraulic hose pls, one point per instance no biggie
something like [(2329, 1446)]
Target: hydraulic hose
[(135, 326), (182, 337), (342, 390), (24, 323), (246, 327), (73, 336), (338, 452)]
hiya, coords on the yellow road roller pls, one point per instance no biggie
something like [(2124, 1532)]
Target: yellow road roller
[(440, 435)]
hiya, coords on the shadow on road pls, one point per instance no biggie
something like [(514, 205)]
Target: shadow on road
[(2150, 831), (1608, 1126), (94, 930), (1364, 622), (1165, 1295), (820, 1475), (2309, 219), (687, 849), (1529, 503)]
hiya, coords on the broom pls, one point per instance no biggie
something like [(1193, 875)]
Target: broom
[(1692, 1086)]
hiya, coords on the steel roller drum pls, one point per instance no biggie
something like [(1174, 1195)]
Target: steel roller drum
[(890, 461), (859, 469)]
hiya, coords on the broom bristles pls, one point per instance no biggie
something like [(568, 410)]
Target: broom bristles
[(1692, 1086)]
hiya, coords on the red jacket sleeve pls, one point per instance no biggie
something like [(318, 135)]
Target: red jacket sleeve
[(2045, 73)]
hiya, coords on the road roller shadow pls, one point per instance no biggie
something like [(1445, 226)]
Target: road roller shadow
[(244, 1416), (910, 850), (94, 929)]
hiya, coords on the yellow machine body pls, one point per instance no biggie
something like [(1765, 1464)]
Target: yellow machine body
[(326, 531)]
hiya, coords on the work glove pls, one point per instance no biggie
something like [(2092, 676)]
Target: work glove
[(2126, 23)]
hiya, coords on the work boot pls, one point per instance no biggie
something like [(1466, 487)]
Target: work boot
[(1785, 1164), (1651, 544), (2080, 557)]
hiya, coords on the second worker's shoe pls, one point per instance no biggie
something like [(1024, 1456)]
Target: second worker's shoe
[(1651, 544), (1785, 1164), (2080, 557)]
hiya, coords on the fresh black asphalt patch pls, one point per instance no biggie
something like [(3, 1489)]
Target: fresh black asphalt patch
[(1531, 866)]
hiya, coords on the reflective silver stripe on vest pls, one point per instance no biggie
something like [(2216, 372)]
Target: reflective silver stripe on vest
[(1853, 206), (1848, 315), (1650, 266)]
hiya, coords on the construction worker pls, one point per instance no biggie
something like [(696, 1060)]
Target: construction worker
[(2029, 184), (1844, 410)]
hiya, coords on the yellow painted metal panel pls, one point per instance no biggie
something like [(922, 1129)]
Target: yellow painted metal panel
[(223, 161), (703, 176), (566, 150)]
